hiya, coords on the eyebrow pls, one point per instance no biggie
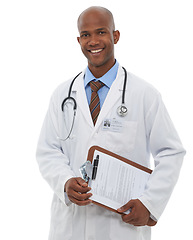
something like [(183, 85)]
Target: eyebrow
[(84, 32), (98, 29)]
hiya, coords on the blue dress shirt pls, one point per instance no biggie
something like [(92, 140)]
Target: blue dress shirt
[(107, 79)]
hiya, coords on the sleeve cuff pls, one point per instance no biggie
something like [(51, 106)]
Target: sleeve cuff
[(152, 217), (66, 199), (153, 213)]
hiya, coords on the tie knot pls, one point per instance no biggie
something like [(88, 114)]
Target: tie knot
[(95, 86)]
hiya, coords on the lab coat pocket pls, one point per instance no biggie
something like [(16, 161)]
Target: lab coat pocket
[(61, 221), (123, 140)]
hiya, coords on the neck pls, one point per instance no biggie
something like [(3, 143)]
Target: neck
[(99, 71)]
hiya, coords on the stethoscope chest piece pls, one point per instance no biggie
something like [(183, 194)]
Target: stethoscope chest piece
[(122, 111)]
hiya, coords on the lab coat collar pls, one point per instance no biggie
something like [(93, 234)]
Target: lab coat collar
[(120, 74), (114, 94), (78, 92)]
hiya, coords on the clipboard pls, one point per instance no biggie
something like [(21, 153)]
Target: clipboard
[(134, 165)]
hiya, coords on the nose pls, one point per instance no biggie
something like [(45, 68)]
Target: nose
[(93, 41)]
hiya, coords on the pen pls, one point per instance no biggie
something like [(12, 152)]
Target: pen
[(95, 166)]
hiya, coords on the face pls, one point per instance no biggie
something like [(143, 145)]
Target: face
[(97, 39)]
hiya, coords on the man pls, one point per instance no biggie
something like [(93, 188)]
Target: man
[(65, 140)]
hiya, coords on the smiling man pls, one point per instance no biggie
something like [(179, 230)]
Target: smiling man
[(97, 38), (78, 111)]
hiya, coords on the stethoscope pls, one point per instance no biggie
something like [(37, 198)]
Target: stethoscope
[(121, 110)]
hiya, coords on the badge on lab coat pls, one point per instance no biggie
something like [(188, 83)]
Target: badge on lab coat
[(112, 125)]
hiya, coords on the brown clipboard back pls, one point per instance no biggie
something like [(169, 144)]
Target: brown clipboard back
[(91, 151), (100, 149)]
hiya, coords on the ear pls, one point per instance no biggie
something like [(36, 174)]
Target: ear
[(78, 39), (116, 35)]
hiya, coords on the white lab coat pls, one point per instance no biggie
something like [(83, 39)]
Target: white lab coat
[(147, 128)]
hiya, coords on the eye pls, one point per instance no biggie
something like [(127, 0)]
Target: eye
[(84, 35), (102, 32)]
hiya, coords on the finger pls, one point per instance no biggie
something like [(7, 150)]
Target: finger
[(128, 218), (78, 185), (80, 199), (81, 186), (81, 182), (136, 222), (79, 196), (127, 206), (133, 220), (80, 189), (80, 203), (151, 222)]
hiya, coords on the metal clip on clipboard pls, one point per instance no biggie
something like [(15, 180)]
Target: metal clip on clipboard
[(89, 171)]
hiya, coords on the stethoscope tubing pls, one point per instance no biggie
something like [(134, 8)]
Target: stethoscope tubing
[(122, 110), (69, 93), (75, 104), (124, 86)]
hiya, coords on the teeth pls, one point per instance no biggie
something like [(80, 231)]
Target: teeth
[(96, 51)]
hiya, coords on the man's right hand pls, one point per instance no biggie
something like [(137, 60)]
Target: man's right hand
[(76, 189)]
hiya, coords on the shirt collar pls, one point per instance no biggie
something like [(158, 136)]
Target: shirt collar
[(107, 79)]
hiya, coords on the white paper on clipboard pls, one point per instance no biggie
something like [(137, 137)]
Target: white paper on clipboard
[(116, 181)]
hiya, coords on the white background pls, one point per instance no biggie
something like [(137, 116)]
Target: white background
[(39, 50)]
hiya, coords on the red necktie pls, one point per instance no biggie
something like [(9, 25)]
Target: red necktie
[(95, 102)]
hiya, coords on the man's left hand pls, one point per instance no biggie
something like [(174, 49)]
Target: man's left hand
[(139, 215)]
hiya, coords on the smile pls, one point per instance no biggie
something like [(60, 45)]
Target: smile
[(96, 51)]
